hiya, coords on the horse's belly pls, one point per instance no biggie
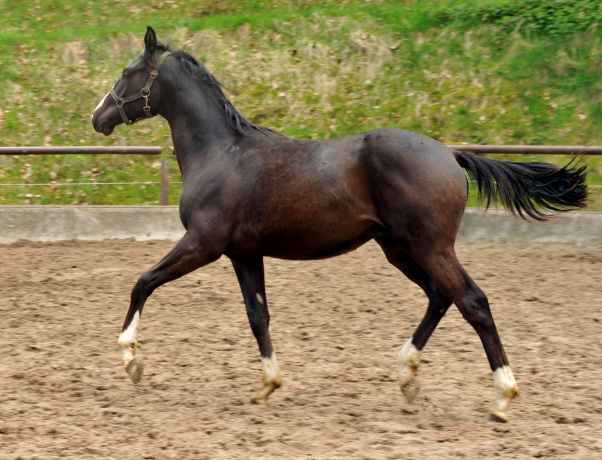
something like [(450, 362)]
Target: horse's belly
[(319, 239)]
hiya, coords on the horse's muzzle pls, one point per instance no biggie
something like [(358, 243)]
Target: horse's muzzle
[(99, 127)]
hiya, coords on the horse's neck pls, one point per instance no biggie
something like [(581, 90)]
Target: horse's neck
[(197, 133)]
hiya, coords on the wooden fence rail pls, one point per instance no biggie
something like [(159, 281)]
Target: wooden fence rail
[(164, 181), (151, 150), (532, 149), (99, 150)]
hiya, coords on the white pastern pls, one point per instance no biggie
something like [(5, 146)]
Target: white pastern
[(101, 102), (408, 361), (505, 390), (271, 370), (127, 340)]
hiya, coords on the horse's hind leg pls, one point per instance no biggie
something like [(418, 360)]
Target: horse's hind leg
[(445, 270), (186, 256), (250, 274), (409, 356)]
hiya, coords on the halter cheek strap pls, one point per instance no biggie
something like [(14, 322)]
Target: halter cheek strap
[(144, 93)]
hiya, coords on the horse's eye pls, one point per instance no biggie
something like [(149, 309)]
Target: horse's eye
[(125, 74)]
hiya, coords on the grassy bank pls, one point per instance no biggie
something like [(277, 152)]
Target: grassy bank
[(457, 71)]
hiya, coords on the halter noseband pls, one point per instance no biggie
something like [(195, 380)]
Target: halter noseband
[(144, 93)]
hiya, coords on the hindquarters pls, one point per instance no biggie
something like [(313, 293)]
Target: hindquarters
[(418, 188)]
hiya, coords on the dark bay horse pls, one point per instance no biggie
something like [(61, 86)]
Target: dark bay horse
[(250, 192)]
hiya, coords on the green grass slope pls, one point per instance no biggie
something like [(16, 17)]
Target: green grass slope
[(490, 72)]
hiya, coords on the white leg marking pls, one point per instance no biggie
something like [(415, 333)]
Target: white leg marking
[(505, 391), (408, 361), (127, 340), (271, 370), (260, 299), (272, 379)]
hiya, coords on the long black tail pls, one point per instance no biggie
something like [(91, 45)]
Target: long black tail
[(529, 190)]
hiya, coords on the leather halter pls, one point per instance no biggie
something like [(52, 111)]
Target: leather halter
[(144, 93)]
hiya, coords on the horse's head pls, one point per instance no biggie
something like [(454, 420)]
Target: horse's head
[(131, 99)]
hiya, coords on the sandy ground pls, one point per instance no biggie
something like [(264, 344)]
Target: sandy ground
[(337, 326)]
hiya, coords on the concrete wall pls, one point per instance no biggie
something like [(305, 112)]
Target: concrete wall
[(500, 227), (56, 223)]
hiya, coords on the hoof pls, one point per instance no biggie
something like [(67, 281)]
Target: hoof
[(261, 397), (259, 400), (410, 390), (497, 416), (135, 370)]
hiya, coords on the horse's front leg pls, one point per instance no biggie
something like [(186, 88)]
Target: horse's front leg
[(187, 255), (249, 271)]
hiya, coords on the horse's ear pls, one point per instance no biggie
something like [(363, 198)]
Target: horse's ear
[(150, 40)]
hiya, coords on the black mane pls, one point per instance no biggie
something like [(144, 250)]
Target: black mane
[(236, 122)]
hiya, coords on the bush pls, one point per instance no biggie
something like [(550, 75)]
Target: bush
[(555, 18)]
